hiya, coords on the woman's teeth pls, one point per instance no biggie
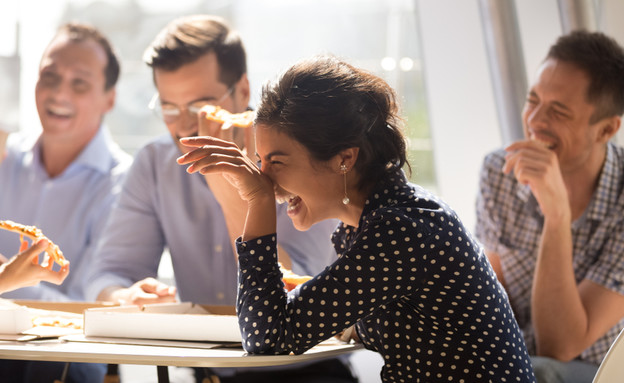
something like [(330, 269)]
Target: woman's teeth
[(293, 203)]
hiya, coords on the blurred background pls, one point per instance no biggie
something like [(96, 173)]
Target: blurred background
[(460, 67)]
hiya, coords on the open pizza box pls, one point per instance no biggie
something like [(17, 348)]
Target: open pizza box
[(28, 320), (166, 321), (25, 320)]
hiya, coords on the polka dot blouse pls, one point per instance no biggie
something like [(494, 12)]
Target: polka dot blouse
[(414, 282)]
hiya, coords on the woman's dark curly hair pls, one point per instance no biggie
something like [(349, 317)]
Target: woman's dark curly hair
[(328, 105)]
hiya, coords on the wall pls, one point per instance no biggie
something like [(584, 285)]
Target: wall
[(462, 112)]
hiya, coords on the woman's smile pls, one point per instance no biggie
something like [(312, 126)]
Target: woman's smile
[(294, 203)]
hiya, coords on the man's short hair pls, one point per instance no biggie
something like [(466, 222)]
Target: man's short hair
[(188, 38), (602, 58), (81, 32)]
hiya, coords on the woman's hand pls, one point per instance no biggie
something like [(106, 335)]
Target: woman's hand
[(213, 155), (23, 269)]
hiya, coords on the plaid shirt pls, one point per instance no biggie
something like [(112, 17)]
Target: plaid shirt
[(509, 223)]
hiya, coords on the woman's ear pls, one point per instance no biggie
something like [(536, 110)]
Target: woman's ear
[(347, 157)]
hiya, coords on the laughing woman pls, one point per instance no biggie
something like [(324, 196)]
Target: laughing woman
[(410, 277)]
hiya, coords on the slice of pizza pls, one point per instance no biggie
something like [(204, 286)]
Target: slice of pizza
[(218, 114), (53, 251), (292, 280)]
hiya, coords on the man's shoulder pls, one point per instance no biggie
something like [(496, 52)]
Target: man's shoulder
[(492, 168), (156, 152), (121, 159), (495, 158), (18, 151), (618, 152), (160, 147), (19, 142), (496, 187), (156, 161)]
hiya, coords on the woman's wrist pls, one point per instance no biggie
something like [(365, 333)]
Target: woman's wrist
[(261, 217)]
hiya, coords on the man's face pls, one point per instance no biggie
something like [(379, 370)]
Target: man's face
[(70, 92), (195, 84), (558, 114)]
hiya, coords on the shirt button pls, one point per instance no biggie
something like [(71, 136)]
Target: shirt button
[(218, 248), (220, 295)]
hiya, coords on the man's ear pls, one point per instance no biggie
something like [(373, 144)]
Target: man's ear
[(110, 100), (242, 93), (608, 128)]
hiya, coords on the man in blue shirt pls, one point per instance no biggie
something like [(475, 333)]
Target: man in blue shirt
[(196, 61), (64, 180)]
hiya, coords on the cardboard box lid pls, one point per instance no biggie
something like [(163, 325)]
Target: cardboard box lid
[(70, 307), (172, 321)]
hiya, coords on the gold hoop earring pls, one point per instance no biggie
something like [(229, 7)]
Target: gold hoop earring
[(343, 169)]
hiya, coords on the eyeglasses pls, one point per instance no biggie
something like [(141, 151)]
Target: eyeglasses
[(171, 113)]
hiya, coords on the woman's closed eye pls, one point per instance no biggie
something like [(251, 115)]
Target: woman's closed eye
[(269, 162)]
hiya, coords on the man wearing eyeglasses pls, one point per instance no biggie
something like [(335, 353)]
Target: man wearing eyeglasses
[(196, 60)]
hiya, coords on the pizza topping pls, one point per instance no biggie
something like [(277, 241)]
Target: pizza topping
[(58, 321)]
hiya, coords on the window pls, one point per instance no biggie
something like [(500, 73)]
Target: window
[(380, 36)]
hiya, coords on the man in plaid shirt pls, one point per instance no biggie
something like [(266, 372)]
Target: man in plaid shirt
[(550, 211)]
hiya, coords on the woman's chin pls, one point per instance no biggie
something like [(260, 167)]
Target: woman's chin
[(300, 215), (301, 222), (301, 226)]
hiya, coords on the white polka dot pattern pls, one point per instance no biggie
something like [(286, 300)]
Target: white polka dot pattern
[(414, 281)]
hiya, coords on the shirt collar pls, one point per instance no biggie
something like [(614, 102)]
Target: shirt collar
[(96, 155), (385, 194)]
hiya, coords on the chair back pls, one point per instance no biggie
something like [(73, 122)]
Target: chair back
[(612, 367)]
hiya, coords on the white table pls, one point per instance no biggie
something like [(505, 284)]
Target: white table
[(161, 356)]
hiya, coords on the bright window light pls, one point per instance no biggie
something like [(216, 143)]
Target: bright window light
[(388, 64)]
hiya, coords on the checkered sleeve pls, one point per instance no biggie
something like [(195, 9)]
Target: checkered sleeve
[(489, 214), (608, 269)]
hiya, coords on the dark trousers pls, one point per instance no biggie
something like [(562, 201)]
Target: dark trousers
[(327, 371), (26, 371)]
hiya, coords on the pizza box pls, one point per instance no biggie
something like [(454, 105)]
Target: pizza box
[(29, 319), (14, 319), (168, 321), (70, 307)]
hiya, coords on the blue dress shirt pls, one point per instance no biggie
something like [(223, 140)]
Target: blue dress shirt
[(70, 209), (162, 206)]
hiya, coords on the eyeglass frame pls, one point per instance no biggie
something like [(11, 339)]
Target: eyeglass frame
[(153, 105)]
